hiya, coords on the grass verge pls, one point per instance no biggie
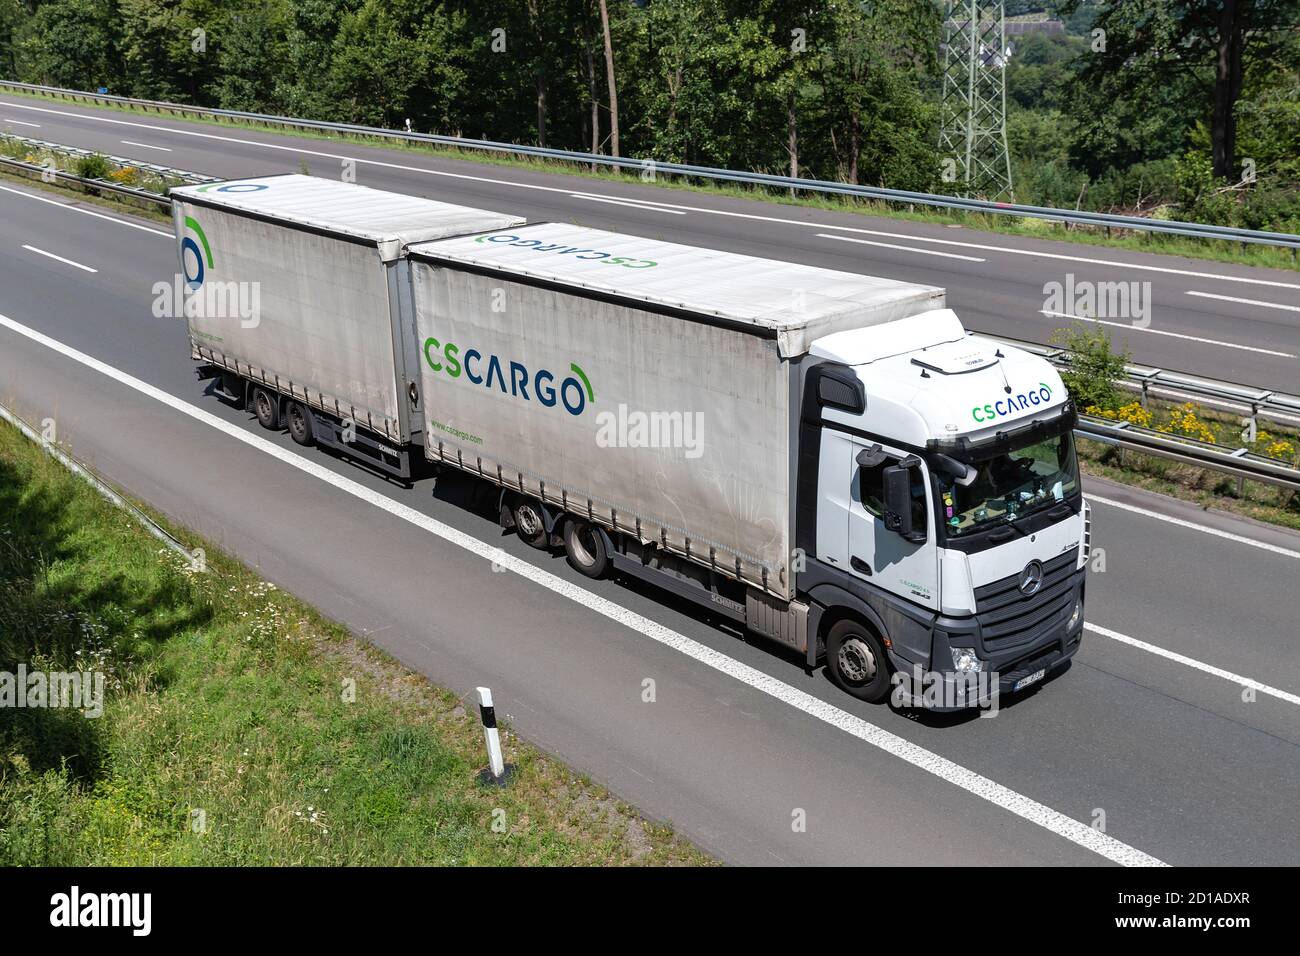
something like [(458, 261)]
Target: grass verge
[(1201, 486), (106, 200), (1214, 250), (228, 736)]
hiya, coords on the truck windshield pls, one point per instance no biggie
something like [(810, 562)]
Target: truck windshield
[(1010, 485)]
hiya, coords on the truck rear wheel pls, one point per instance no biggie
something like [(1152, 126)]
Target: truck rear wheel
[(300, 424), (266, 407), (584, 546), (530, 523), (857, 662)]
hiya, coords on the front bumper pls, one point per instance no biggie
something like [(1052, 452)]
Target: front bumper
[(1045, 644)]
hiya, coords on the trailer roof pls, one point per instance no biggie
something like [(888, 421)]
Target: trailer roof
[(785, 300), (348, 210)]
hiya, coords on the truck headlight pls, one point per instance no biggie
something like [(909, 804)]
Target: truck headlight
[(1075, 616), (964, 660)]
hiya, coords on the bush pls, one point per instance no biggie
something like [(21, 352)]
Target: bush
[(94, 166), (1094, 368)]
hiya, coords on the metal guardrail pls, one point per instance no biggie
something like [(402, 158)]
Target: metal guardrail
[(1073, 217), (165, 172), (59, 175), (1241, 463), (121, 162)]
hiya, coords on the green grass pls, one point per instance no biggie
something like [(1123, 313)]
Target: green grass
[(108, 200), (226, 696), (1201, 486), (1214, 250)]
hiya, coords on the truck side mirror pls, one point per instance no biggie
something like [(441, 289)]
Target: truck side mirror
[(897, 495)]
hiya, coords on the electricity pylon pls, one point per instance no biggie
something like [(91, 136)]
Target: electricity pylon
[(973, 107)]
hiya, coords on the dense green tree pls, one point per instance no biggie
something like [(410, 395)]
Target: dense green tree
[(12, 14), (1149, 112), (70, 43), (254, 45), (1185, 58)]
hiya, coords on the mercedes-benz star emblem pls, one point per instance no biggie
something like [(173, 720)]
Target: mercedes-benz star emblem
[(1031, 578)]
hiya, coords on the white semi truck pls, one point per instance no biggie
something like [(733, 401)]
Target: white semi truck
[(828, 459)]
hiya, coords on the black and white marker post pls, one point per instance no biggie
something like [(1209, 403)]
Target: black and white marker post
[(496, 769)]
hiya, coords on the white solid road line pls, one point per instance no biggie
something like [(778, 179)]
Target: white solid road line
[(50, 255), (890, 245), (85, 212), (1204, 529), (127, 142), (627, 202), (1177, 335), (1192, 662), (1259, 302), (5, 119), (700, 209), (974, 783)]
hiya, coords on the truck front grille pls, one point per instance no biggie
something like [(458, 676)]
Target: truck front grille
[(1008, 617)]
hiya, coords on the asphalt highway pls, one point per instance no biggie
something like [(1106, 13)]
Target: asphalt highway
[(1174, 736)]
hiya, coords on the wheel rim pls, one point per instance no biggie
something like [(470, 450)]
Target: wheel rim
[(263, 406), (856, 660), (529, 521), (296, 421), (583, 543)]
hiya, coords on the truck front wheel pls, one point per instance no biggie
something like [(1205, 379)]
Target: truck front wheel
[(584, 546), (856, 660)]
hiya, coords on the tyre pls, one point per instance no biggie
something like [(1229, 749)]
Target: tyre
[(266, 406), (299, 420), (585, 548), (530, 523), (857, 661)]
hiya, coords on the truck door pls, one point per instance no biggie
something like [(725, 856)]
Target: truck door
[(880, 556)]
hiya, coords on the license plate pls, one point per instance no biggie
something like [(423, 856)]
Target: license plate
[(1031, 679)]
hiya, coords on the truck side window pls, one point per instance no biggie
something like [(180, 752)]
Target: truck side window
[(871, 489)]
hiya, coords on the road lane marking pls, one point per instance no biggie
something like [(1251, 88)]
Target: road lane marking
[(626, 202), (890, 245), (1204, 529), (700, 209), (50, 255), (1259, 302), (1177, 335), (6, 119), (85, 212), (127, 142), (974, 783), (1193, 662)]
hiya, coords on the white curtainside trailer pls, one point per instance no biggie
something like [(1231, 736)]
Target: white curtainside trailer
[(296, 287), (826, 458), (648, 386)]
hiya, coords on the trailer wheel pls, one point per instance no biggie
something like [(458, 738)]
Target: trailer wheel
[(530, 523), (267, 408), (584, 547), (300, 424), (857, 661)]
